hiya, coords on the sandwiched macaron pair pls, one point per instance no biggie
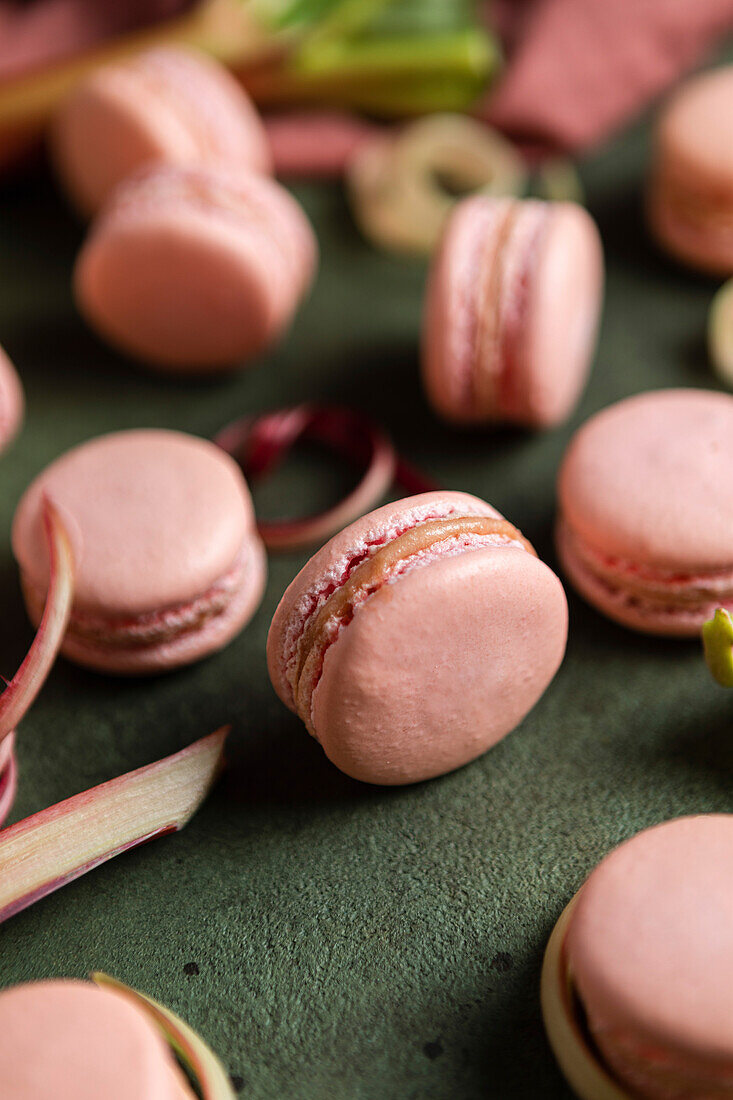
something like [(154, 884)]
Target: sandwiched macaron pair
[(636, 989), (168, 563), (72, 1040), (417, 637), (195, 267), (169, 104), (645, 526), (511, 313), (690, 193), (11, 402)]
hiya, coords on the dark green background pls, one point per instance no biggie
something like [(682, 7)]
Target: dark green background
[(348, 941)]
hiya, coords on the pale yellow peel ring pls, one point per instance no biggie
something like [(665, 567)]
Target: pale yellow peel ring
[(395, 184), (720, 333), (578, 1061)]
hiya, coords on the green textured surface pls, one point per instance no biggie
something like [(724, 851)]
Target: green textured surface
[(353, 942)]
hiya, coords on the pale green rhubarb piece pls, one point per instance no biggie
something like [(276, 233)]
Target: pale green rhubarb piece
[(59, 844)]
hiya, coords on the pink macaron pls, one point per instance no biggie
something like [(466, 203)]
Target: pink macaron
[(690, 193), (11, 401), (649, 953), (71, 1040), (170, 104), (511, 312), (192, 268), (417, 638), (645, 525), (168, 563)]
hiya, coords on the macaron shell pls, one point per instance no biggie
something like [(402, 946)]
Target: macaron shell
[(176, 293), (690, 194), (110, 116), (650, 947), (195, 269), (563, 312), (169, 104), (646, 481), (695, 135), (12, 402), (511, 311), (327, 569), (71, 1041), (155, 519), (438, 666), (703, 240), (674, 620), (213, 634), (450, 323)]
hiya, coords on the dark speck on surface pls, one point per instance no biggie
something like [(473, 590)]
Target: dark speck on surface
[(433, 1050), (192, 969), (502, 962), (237, 1082)]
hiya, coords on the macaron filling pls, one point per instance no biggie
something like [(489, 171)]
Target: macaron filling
[(640, 588), (498, 375), (415, 546), (505, 255), (156, 628)]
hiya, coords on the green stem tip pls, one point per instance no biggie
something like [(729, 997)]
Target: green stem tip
[(717, 640)]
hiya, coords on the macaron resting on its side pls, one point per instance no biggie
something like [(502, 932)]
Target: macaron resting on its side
[(168, 563), (170, 104), (645, 526), (71, 1040), (690, 193), (417, 637), (511, 312), (649, 954), (11, 401), (193, 268)]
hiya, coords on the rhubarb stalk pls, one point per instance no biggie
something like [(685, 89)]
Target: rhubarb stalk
[(57, 845), (8, 776), (22, 690)]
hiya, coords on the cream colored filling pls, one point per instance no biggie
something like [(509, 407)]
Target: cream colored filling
[(369, 576)]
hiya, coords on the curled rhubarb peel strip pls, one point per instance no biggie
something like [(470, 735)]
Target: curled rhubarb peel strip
[(22, 690), (260, 444), (45, 852), (197, 1056), (717, 640), (578, 1061), (8, 776)]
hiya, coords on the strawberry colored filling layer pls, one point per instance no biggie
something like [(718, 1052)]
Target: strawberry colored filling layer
[(643, 586), (503, 296), (156, 627)]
